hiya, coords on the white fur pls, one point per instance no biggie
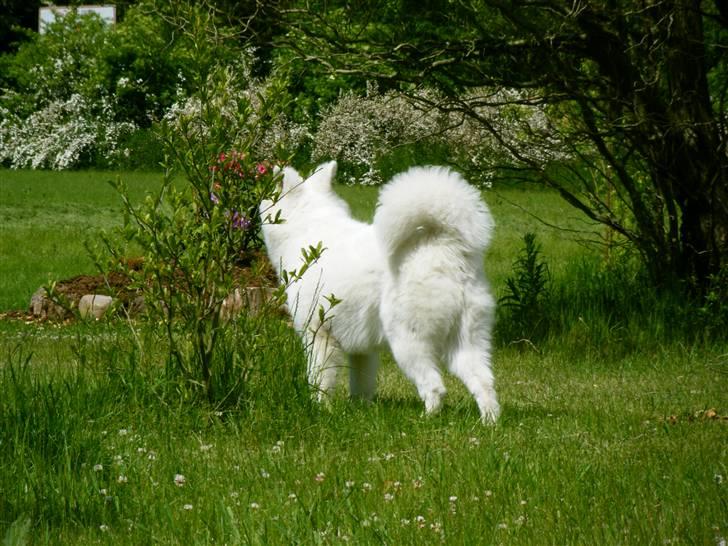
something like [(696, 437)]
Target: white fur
[(412, 279)]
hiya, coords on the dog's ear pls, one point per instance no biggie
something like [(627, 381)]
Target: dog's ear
[(322, 176), (291, 179)]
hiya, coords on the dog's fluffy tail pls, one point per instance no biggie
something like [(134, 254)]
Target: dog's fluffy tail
[(431, 203)]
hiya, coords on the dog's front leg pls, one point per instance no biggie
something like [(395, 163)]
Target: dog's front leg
[(324, 360)]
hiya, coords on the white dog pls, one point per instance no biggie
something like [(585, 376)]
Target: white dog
[(413, 279)]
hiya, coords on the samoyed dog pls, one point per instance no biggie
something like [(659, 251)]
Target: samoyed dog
[(413, 280)]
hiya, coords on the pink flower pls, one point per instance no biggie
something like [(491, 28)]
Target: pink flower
[(261, 168)]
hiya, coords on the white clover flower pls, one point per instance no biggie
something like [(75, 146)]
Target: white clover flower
[(122, 479), (103, 528), (187, 507), (179, 480), (388, 497), (98, 467)]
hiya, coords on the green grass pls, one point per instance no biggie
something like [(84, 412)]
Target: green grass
[(601, 441), (585, 453)]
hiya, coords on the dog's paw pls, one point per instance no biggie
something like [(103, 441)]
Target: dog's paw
[(433, 401), (489, 411)]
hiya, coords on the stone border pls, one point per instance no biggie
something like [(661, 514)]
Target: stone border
[(251, 299)]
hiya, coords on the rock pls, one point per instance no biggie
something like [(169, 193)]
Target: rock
[(43, 307), (94, 305), (252, 299), (137, 306)]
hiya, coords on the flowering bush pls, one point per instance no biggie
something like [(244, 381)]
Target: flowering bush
[(281, 136), (361, 130), (191, 245), (194, 234), (77, 91), (61, 135)]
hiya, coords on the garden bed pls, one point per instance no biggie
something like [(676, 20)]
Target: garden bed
[(254, 280)]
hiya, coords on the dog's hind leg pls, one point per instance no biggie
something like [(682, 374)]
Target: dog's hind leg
[(415, 359), (324, 361), (363, 375), (471, 364)]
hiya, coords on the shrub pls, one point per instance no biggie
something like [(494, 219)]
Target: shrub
[(80, 87), (63, 134), (360, 130), (365, 131), (54, 66), (204, 222), (527, 290)]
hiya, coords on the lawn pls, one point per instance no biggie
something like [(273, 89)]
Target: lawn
[(595, 445)]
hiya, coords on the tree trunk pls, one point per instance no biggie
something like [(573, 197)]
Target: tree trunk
[(670, 121), (697, 154)]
